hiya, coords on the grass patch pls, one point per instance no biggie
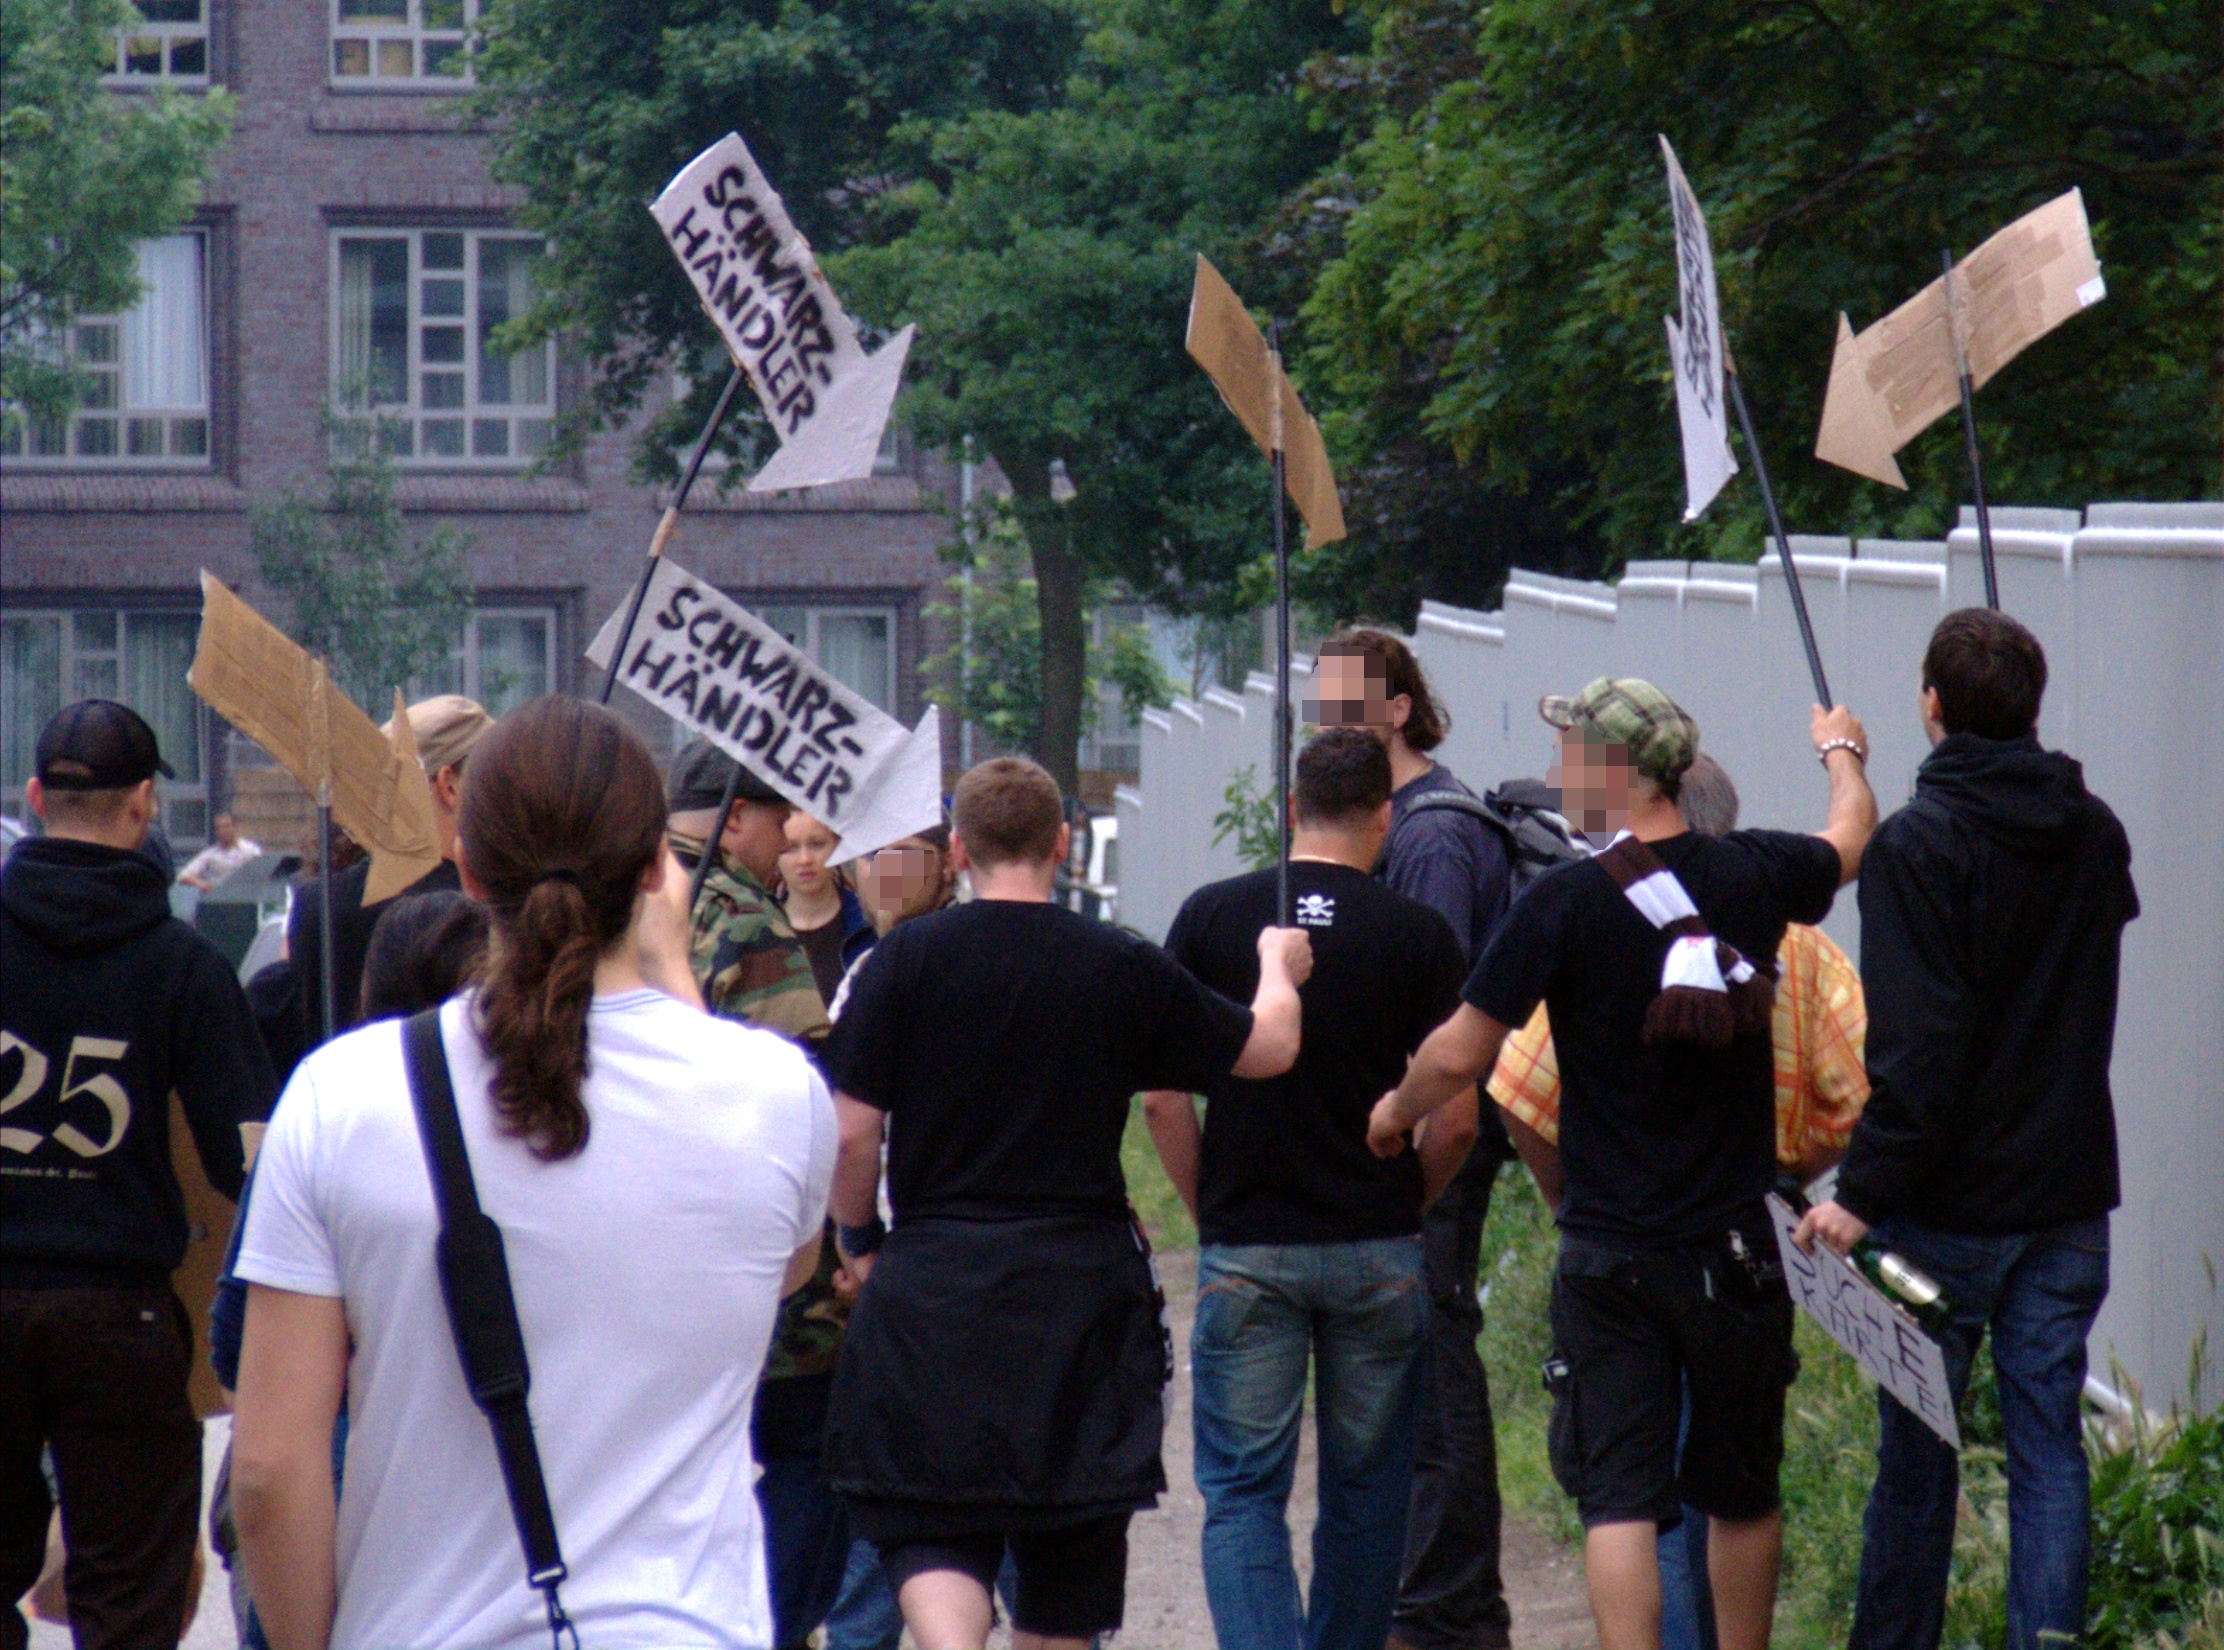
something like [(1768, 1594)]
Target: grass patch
[(2158, 1492), (1165, 1222)]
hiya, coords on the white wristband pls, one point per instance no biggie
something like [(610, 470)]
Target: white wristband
[(1860, 752)]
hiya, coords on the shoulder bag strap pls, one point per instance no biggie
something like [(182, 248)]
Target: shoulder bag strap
[(482, 1311)]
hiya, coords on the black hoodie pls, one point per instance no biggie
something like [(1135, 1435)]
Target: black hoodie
[(108, 1006), (1992, 915)]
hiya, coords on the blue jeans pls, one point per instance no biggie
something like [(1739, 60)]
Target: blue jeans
[(806, 1526), (1360, 1313), (865, 1615), (2038, 1292), (1686, 1598)]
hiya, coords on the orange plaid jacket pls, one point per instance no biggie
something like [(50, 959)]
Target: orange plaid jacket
[(1822, 1021)]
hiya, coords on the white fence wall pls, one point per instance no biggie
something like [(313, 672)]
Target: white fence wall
[(2129, 603)]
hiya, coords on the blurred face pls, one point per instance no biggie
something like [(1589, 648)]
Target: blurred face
[(1593, 778), (1348, 692), (804, 864), (227, 831), (902, 881)]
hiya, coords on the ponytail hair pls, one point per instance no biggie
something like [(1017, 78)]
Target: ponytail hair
[(561, 816)]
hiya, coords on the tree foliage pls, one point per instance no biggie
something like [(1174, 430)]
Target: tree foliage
[(1498, 278), (85, 175), (594, 104), (991, 674), (381, 606)]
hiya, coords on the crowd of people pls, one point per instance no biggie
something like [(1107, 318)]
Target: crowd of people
[(814, 1307)]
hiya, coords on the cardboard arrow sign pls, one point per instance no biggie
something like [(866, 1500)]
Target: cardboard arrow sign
[(1227, 343), (716, 668), (272, 689), (1889, 383), (826, 399), (1695, 351)]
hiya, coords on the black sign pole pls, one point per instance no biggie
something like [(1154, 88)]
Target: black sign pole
[(713, 844), (667, 526), (1281, 642), (327, 1019), (1776, 526), (1969, 434)]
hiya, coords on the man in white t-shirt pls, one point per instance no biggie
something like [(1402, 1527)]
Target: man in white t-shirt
[(221, 857), (647, 1271)]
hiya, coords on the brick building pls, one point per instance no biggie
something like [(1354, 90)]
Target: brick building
[(351, 237)]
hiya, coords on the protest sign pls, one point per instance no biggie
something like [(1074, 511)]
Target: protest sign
[(1224, 340), (1890, 382), (715, 667), (826, 399), (1695, 351), (1883, 1340), (268, 686)]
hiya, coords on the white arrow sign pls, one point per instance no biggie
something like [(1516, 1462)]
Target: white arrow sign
[(715, 667), (1695, 351), (827, 400)]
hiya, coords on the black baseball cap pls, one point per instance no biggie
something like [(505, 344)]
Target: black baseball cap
[(98, 745), (699, 775)]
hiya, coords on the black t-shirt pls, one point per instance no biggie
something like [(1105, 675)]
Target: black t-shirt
[(1670, 1143), (823, 946), (1286, 1158), (1005, 1040)]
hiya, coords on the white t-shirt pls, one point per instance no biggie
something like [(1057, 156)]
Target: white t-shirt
[(647, 1273)]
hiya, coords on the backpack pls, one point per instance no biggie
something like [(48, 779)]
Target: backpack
[(1526, 815)]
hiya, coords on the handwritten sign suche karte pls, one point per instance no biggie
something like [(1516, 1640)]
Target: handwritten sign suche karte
[(1889, 1345)]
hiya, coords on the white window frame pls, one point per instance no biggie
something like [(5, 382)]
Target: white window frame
[(815, 616), (106, 406), (366, 49), (165, 38), (1115, 730), (466, 670), (185, 803), (409, 426)]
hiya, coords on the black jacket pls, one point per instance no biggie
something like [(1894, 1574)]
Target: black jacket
[(351, 942), (1992, 914), (109, 1005)]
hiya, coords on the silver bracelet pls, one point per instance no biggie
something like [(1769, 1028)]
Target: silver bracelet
[(1860, 752)]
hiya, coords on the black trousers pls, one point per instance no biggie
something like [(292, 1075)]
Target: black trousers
[(1451, 1596), (99, 1376)]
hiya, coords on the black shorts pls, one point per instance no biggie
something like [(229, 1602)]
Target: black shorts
[(1072, 1578), (1631, 1333)]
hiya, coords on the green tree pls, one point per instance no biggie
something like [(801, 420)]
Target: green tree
[(992, 675), (1047, 258), (382, 607), (84, 176), (1494, 296), (594, 104)]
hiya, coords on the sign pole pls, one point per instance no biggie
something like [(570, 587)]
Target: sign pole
[(1776, 527), (326, 1018), (669, 525), (1281, 641), (1969, 433), (713, 845)]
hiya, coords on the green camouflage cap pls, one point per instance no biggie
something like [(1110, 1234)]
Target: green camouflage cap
[(1661, 738)]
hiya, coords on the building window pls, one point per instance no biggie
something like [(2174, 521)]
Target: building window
[(50, 659), (503, 657), (145, 375), (167, 43), (854, 645), (402, 42), (413, 343), (1114, 744)]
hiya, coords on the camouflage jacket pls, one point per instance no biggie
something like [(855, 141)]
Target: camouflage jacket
[(752, 968)]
